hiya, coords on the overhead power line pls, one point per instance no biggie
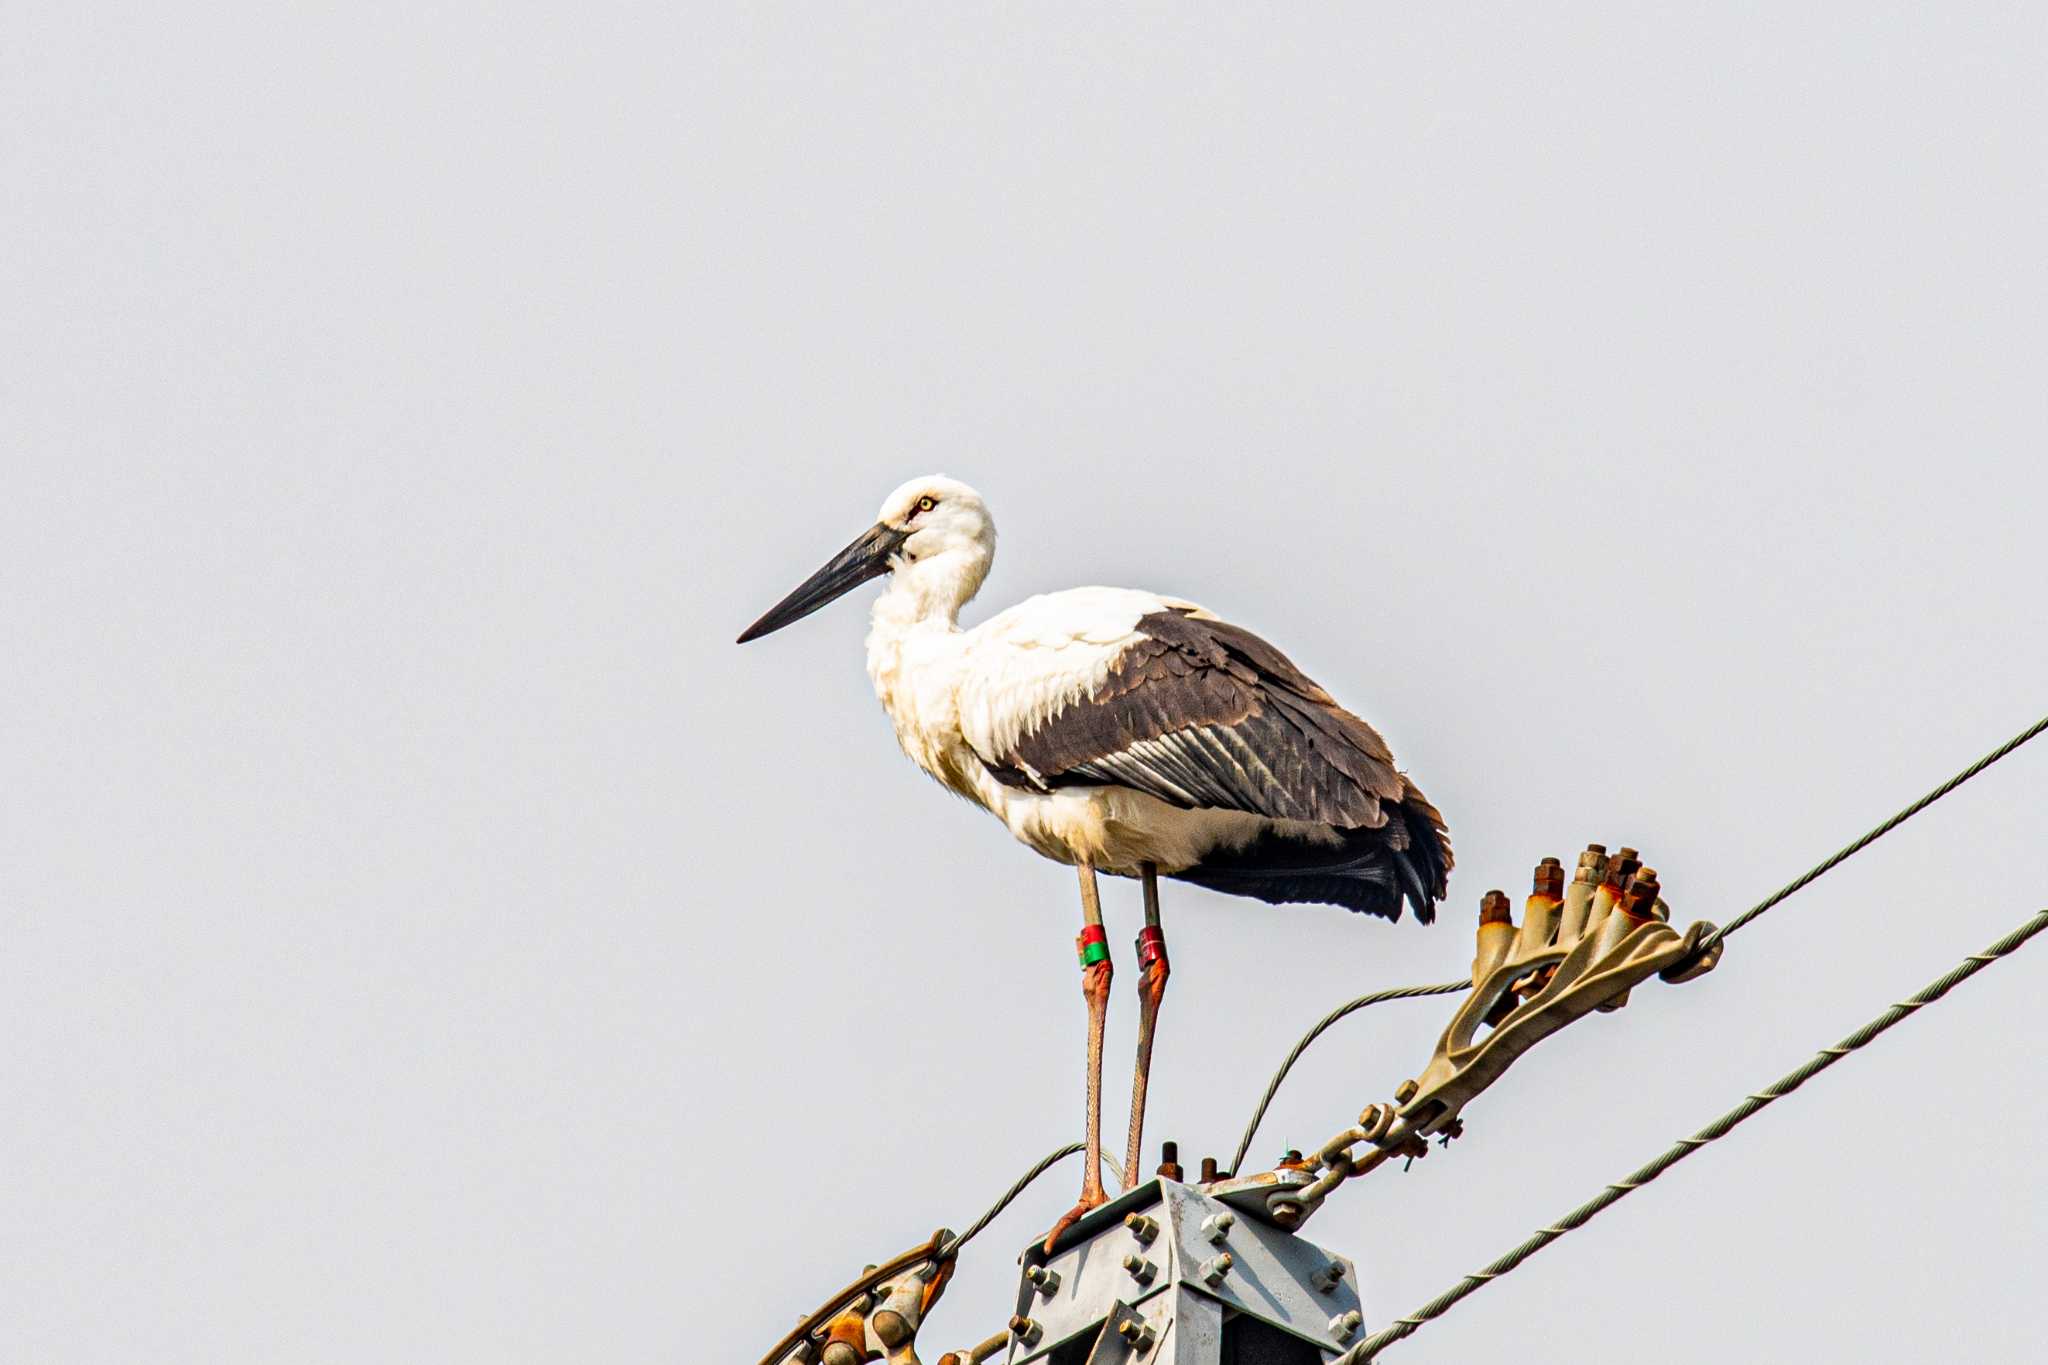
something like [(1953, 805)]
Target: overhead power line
[(1686, 1146), (1783, 893), (1849, 851), (1402, 1328), (1244, 1144), (1045, 1163)]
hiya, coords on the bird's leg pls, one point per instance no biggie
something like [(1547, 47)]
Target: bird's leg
[(1096, 972), (1152, 974)]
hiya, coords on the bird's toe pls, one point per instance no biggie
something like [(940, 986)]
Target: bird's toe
[(1089, 1203)]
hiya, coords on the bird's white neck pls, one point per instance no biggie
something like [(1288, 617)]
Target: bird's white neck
[(913, 636), (930, 591)]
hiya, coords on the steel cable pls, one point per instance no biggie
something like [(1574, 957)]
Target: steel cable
[(1370, 1347), (1244, 1144), (1045, 1163), (1849, 851), (1686, 1146), (1783, 893)]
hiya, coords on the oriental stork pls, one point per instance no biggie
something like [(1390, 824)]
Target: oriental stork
[(1131, 734)]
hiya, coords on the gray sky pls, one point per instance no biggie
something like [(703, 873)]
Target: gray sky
[(427, 938)]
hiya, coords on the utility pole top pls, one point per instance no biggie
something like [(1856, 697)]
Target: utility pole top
[(1175, 1274), (1215, 1272)]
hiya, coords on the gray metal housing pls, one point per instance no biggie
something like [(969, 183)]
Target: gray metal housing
[(1168, 1273)]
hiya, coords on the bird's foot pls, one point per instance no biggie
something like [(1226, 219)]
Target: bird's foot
[(1090, 1201)]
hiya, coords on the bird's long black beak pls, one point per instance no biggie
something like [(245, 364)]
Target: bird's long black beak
[(866, 558)]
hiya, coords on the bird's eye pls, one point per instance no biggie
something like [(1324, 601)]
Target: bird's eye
[(926, 504)]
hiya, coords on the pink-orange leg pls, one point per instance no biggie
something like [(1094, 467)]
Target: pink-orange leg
[(1096, 972), (1152, 974)]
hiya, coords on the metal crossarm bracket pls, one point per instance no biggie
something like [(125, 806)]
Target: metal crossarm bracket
[(1172, 1273), (1576, 951)]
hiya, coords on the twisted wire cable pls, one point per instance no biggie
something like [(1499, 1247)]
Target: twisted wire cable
[(1373, 1345), (1686, 1146), (1849, 851), (1044, 1164), (1244, 1144), (1783, 893)]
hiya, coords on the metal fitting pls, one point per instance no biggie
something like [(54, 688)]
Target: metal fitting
[(1217, 1226), (1141, 1269), (1139, 1334), (993, 1346), (1344, 1324), (1287, 1209), (1215, 1268), (892, 1329), (1639, 898), (1327, 1278), (1047, 1282), (1142, 1228), (1025, 1330)]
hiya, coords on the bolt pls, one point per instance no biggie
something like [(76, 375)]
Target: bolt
[(1141, 1269), (1215, 1268), (1208, 1170), (1405, 1092), (892, 1328), (1622, 866), (1291, 1157), (1328, 1278), (1169, 1161), (1047, 1281), (1142, 1228), (839, 1353), (1137, 1333), (1344, 1324), (977, 1354), (1638, 901), (1025, 1330), (1217, 1226)]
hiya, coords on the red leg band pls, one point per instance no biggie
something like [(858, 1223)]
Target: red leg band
[(1092, 944), (1151, 947)]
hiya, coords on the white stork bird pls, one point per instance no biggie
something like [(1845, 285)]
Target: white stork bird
[(1126, 733)]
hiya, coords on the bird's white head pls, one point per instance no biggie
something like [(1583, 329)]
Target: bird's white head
[(933, 536)]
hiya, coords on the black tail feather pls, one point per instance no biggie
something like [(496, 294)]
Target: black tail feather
[(1363, 871)]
